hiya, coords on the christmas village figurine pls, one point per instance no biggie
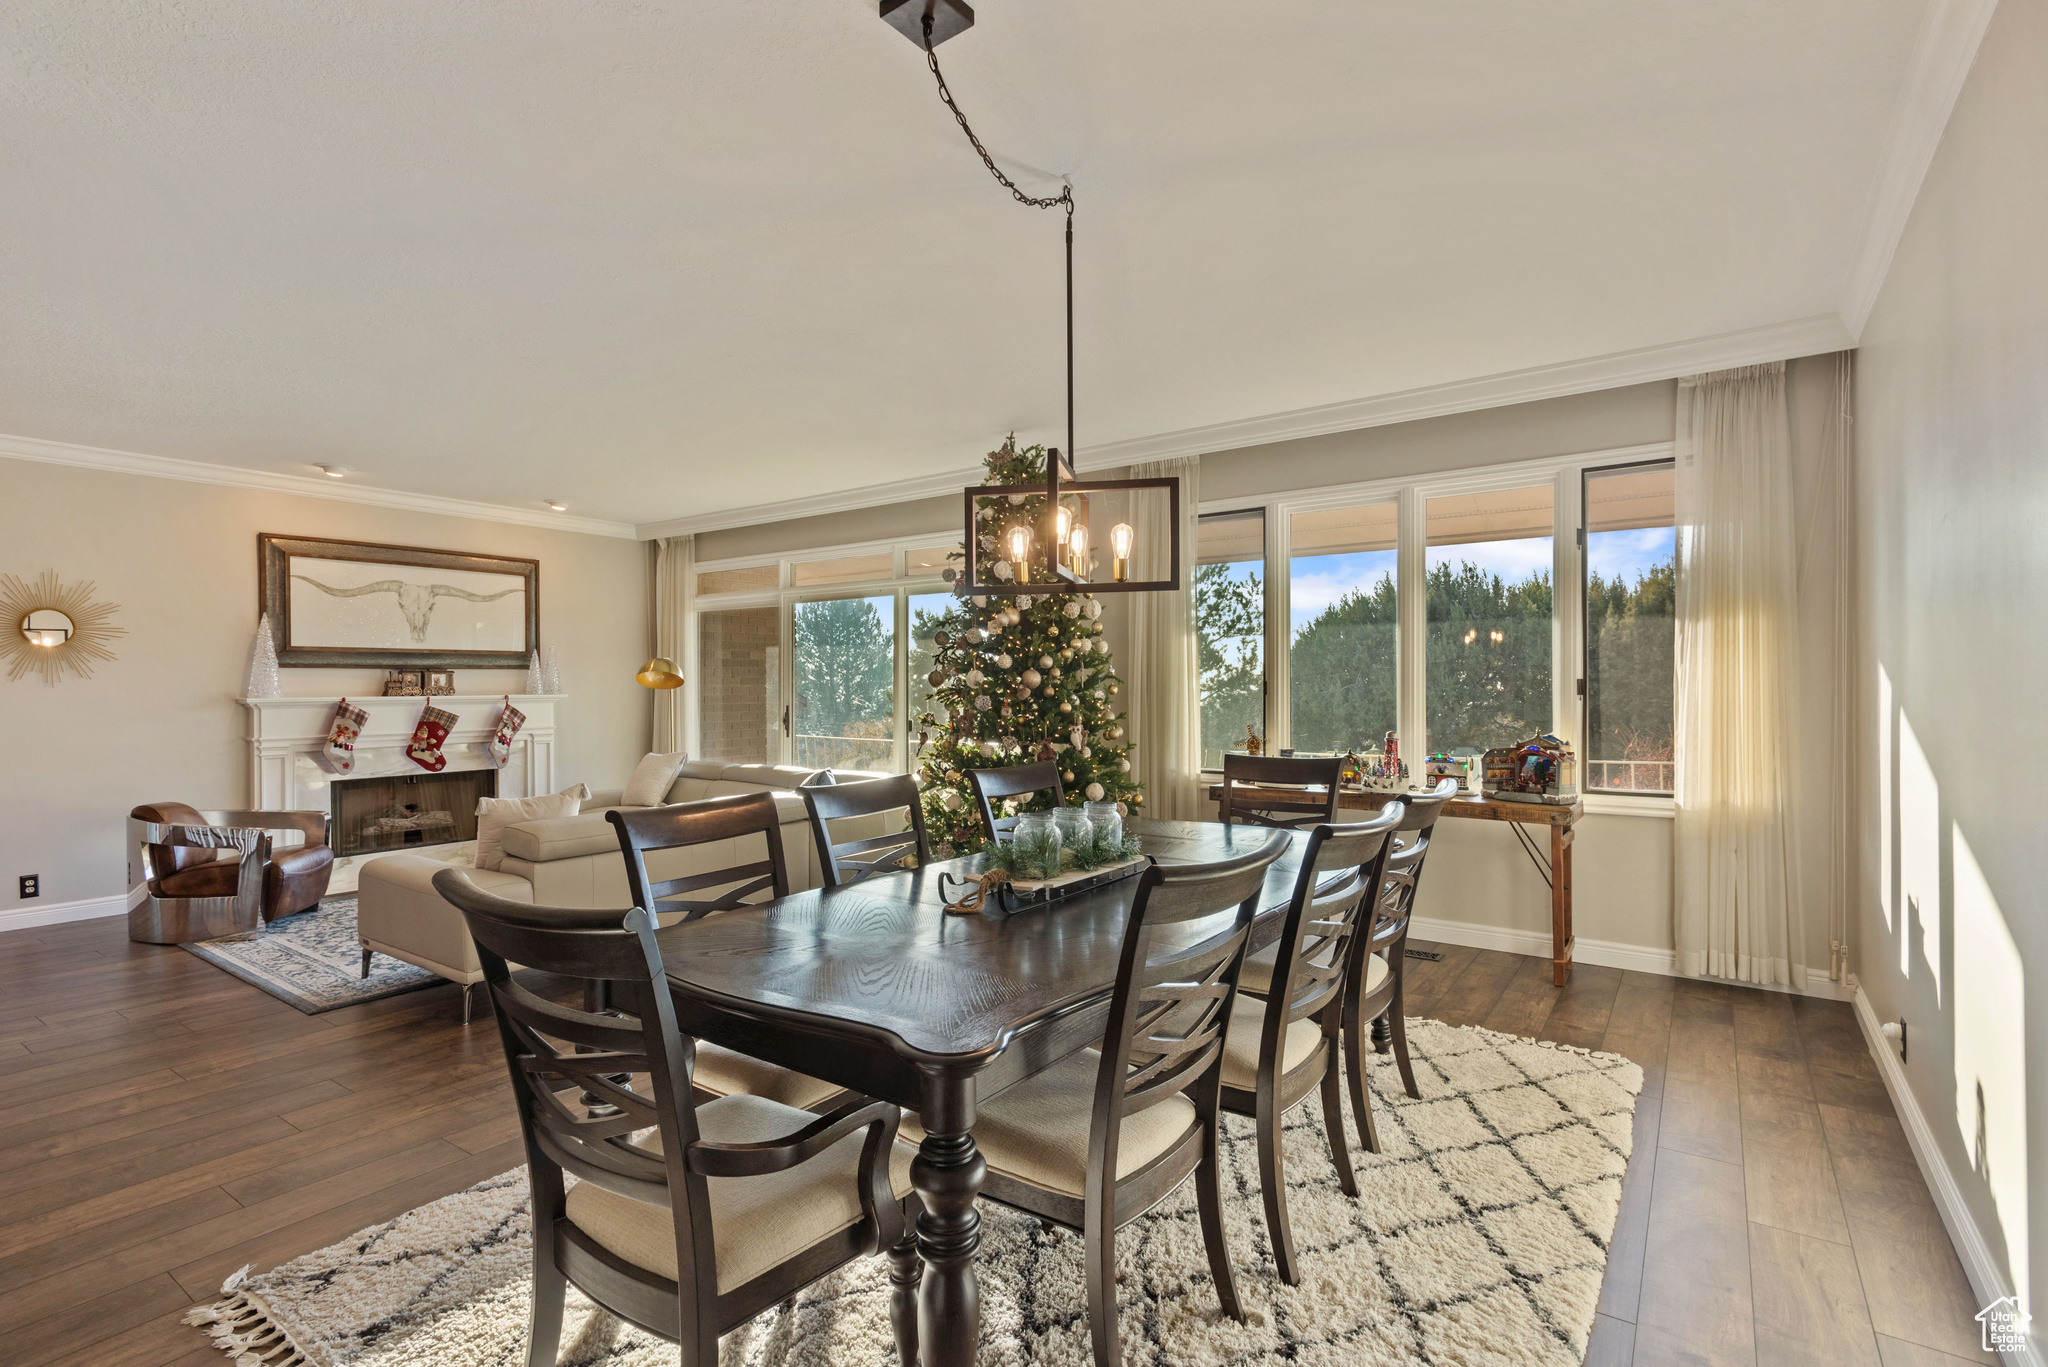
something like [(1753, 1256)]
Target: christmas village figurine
[(1252, 744), (1017, 679), (1541, 769), (1352, 774)]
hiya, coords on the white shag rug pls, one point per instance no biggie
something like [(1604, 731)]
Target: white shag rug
[(1479, 1240)]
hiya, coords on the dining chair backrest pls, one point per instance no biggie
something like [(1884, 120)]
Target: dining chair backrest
[(1408, 848), (1329, 915), (1287, 792), (1172, 1001), (850, 861), (991, 786), (555, 1052), (654, 829)]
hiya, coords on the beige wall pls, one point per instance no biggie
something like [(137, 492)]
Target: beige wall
[(889, 522), (160, 722), (1952, 475), (1604, 420)]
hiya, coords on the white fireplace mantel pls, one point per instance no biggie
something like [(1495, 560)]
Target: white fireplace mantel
[(287, 736)]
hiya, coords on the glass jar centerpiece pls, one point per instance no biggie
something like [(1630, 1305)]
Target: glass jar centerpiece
[(1108, 823), (1077, 832), (1035, 846)]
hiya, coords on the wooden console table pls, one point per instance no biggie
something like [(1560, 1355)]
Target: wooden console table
[(1555, 871)]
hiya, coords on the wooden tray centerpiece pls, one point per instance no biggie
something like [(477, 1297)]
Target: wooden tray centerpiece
[(1036, 873)]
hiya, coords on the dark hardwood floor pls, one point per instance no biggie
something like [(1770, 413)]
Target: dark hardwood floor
[(162, 1124)]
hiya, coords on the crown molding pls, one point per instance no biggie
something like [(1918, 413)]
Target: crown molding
[(268, 481), (1777, 342), (1950, 34)]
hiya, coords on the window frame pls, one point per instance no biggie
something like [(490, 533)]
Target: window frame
[(1411, 494)]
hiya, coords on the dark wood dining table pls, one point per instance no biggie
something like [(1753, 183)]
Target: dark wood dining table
[(875, 987)]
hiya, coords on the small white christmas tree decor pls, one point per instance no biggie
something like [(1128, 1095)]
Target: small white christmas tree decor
[(534, 685), (263, 680), (550, 671)]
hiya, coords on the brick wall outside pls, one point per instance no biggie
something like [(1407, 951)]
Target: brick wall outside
[(737, 659)]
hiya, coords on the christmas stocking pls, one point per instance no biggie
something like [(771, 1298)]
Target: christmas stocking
[(428, 738), (340, 750), (500, 743)]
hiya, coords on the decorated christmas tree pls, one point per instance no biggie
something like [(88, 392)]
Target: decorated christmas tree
[(1019, 678)]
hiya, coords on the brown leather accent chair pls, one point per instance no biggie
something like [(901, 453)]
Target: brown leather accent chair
[(196, 889)]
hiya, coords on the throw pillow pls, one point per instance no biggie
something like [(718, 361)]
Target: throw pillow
[(652, 778), (494, 814)]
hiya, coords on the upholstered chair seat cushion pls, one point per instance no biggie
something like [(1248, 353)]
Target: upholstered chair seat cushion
[(296, 879), (724, 1072), (1037, 1131), (216, 878), (756, 1222), (1258, 971), (1241, 1045)]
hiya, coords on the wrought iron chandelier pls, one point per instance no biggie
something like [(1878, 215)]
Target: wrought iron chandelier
[(1043, 535)]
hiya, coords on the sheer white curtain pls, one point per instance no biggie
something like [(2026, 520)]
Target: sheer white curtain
[(1161, 670), (1737, 910), (1827, 566), (675, 585)]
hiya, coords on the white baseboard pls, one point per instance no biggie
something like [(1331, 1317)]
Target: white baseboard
[(28, 916), (1987, 1279), (1606, 953)]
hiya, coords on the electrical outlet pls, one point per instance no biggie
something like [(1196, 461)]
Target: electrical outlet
[(31, 885), (1895, 1031)]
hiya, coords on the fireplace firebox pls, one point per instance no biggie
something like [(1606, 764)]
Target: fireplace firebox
[(401, 811)]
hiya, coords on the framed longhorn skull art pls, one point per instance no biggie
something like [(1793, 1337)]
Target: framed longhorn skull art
[(351, 604)]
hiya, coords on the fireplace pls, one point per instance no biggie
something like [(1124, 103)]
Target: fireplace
[(400, 811)]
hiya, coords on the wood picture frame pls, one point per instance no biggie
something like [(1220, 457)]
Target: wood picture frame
[(352, 614)]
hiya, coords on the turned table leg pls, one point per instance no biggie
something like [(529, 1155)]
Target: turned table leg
[(947, 1174)]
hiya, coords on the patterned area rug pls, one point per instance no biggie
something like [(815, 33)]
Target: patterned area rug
[(1481, 1238), (312, 960)]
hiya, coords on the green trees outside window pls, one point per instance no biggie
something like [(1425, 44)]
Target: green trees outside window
[(844, 710)]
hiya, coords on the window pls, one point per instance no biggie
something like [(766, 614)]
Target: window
[(1631, 623), (929, 562), (1343, 627), (739, 696), (1488, 633), (927, 610), (843, 701), (740, 580), (1230, 630), (845, 569)]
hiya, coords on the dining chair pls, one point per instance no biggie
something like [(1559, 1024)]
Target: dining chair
[(652, 832), (885, 853), (991, 786), (1377, 994), (1283, 1046), (686, 1221), (1105, 1134), (1278, 791)]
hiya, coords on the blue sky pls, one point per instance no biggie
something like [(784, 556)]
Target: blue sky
[(1320, 580)]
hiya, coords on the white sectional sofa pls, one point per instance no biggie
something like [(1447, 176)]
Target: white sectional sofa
[(574, 861)]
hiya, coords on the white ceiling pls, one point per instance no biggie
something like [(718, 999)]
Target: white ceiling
[(662, 259)]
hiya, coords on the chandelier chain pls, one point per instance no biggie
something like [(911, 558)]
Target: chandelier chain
[(1064, 199)]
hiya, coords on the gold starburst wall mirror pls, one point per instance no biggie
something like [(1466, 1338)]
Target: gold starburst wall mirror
[(53, 628)]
